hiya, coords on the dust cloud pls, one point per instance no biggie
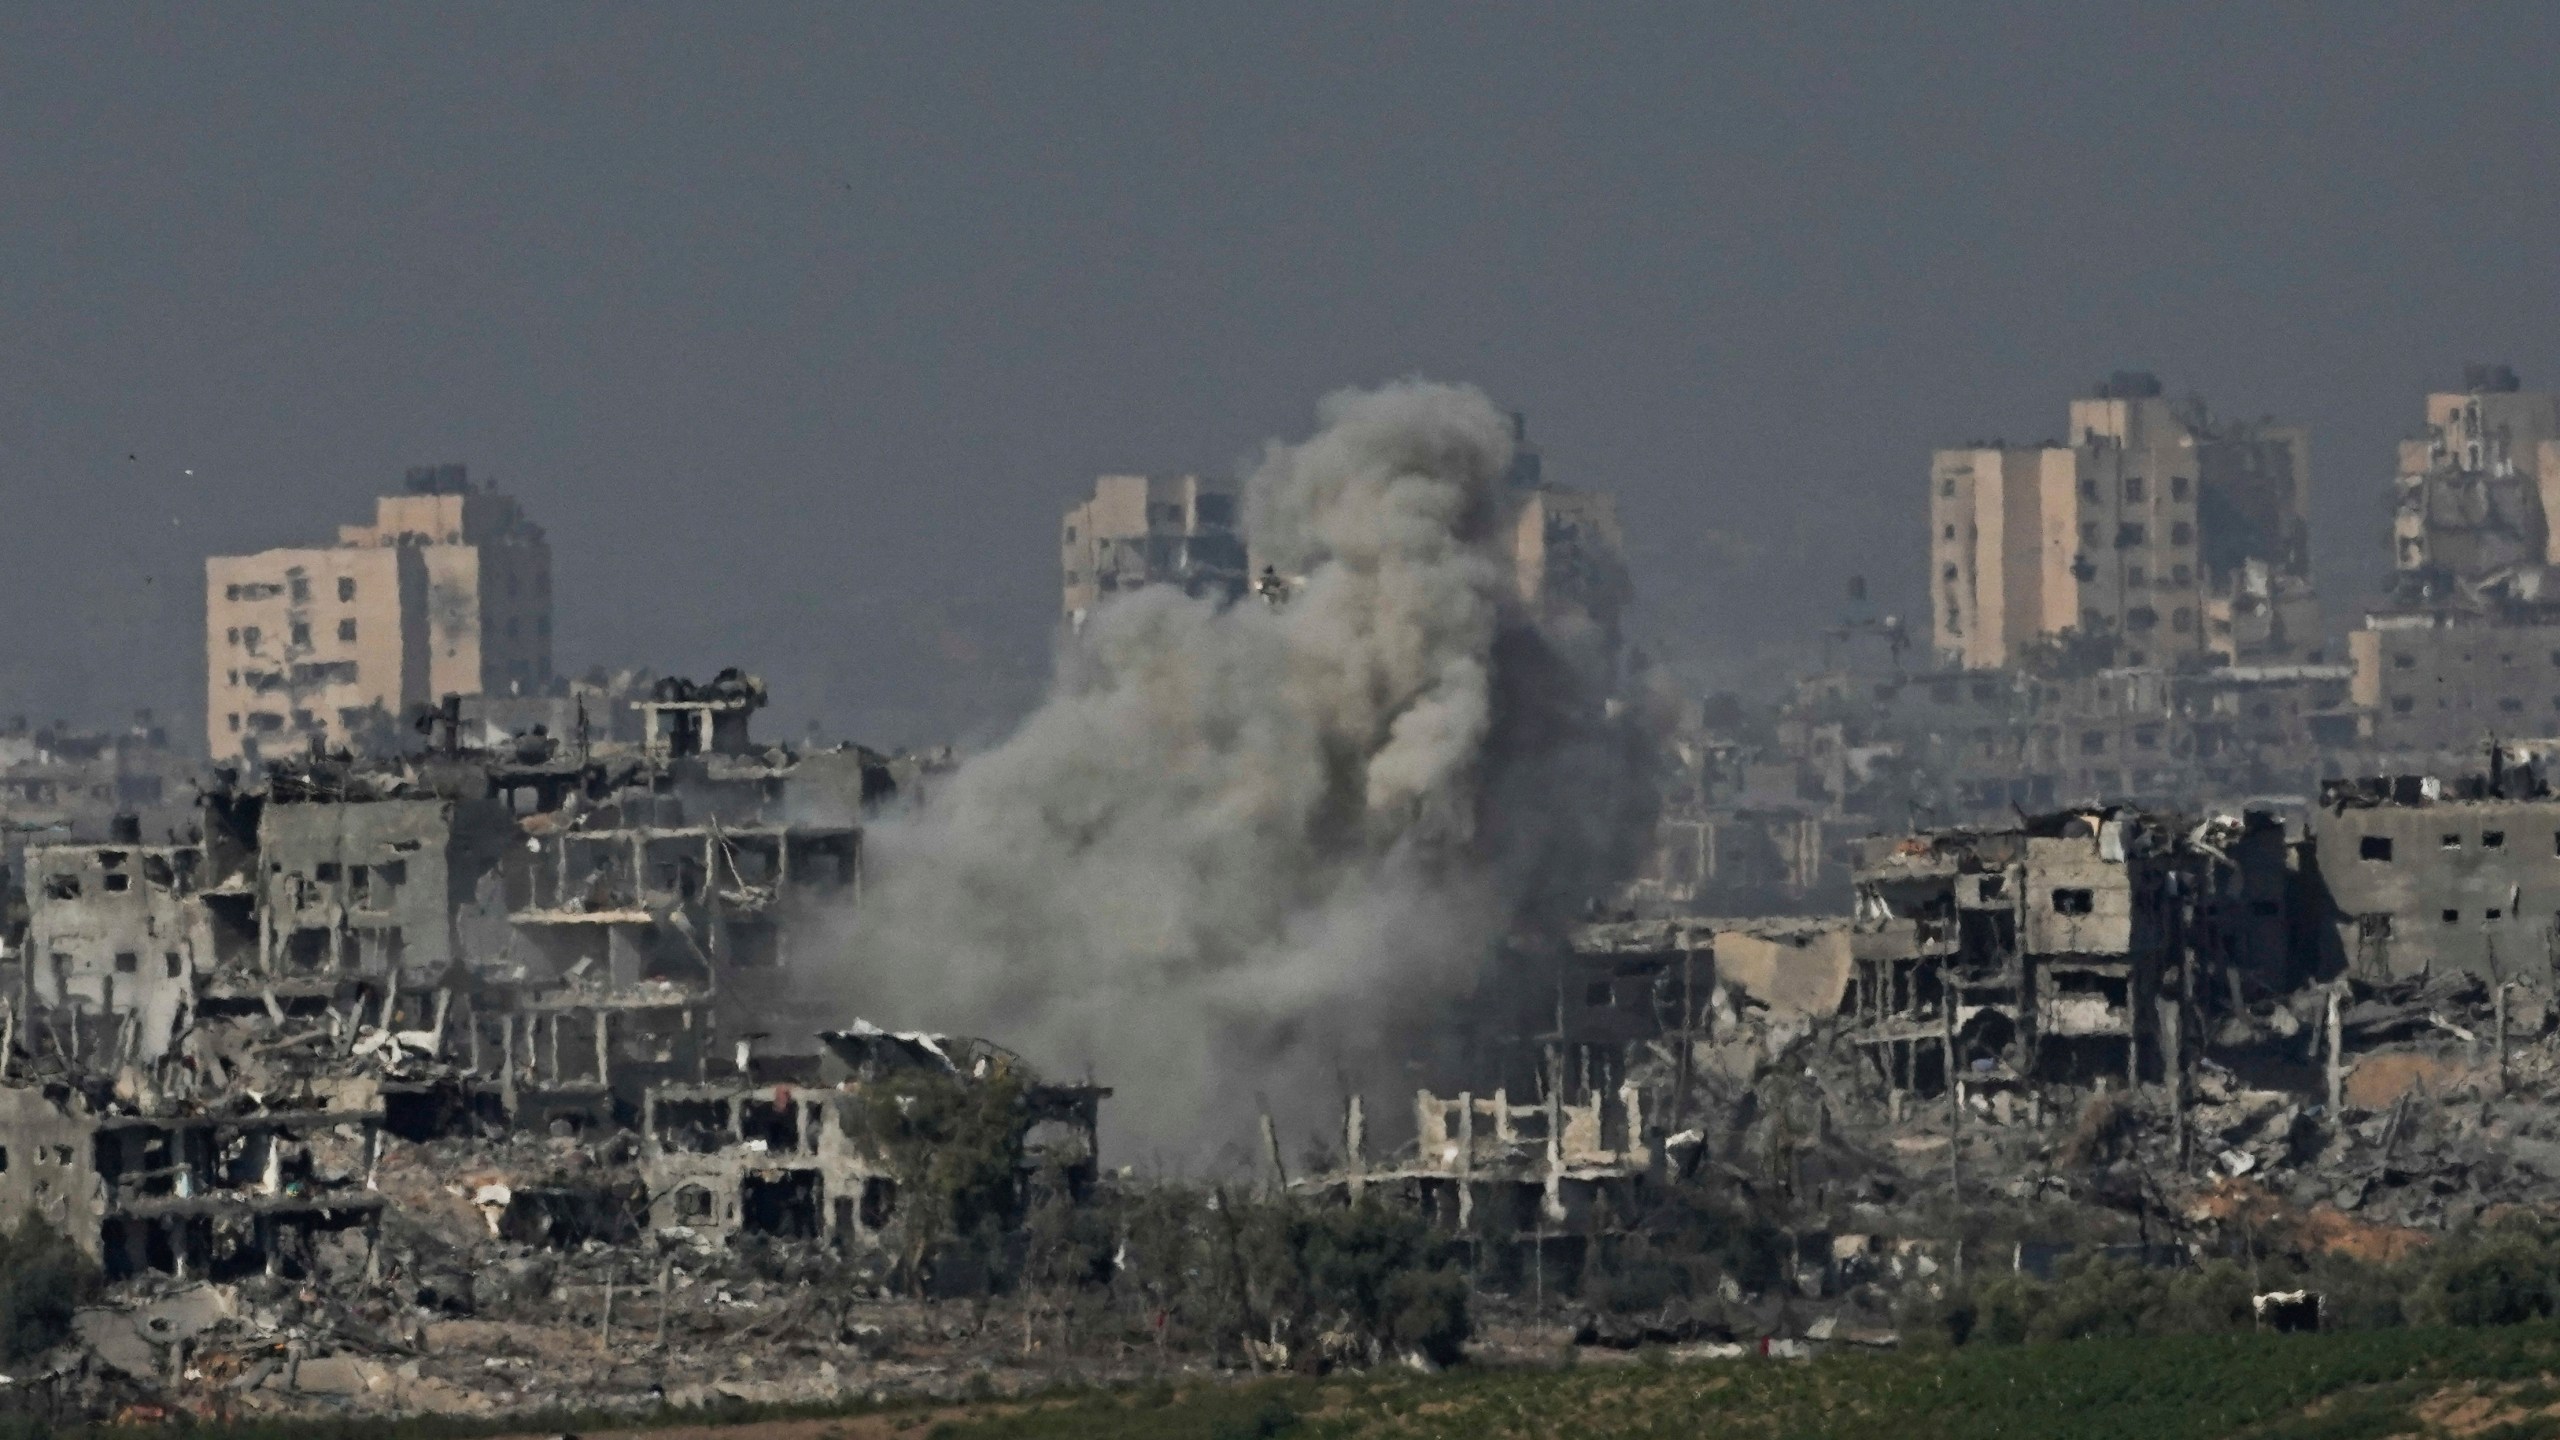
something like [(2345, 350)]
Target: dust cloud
[(1246, 855)]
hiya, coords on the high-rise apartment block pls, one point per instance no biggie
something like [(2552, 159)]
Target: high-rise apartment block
[(2155, 531), (447, 592), (1566, 552), (1140, 530)]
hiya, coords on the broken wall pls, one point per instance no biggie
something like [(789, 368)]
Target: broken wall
[(114, 929), (372, 887), (1797, 972)]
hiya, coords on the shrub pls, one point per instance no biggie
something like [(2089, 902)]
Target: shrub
[(43, 1278), (2498, 1279), (2090, 1299), (1385, 1271)]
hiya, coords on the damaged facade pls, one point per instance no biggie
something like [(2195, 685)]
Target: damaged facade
[(2165, 1021), (2466, 642), (207, 1043), (447, 592), (757, 1154), (2155, 527), (1139, 530), (2427, 877), (2084, 945)]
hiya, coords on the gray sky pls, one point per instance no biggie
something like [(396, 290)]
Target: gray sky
[(797, 326)]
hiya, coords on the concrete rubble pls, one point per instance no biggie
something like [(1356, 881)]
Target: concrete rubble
[(2115, 1032), (455, 1083)]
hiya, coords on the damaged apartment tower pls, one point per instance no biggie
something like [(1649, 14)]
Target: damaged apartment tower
[(203, 1042)]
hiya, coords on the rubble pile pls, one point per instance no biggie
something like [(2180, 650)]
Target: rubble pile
[(474, 1080), (2107, 1032)]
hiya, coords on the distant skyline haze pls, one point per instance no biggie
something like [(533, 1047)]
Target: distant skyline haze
[(797, 327)]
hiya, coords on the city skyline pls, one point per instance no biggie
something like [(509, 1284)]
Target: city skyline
[(812, 331)]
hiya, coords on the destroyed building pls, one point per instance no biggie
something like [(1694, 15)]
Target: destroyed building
[(2086, 944), (2428, 877), (2123, 1033), (799, 1157), (1588, 1134), (538, 937), (112, 943), (188, 1192), (370, 883), (2475, 487), (59, 785)]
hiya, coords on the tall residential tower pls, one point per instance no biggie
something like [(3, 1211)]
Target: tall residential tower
[(447, 592), (2155, 532)]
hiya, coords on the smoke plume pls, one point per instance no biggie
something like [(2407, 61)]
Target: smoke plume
[(1242, 851)]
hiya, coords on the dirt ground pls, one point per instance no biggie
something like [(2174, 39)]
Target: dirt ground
[(900, 1425)]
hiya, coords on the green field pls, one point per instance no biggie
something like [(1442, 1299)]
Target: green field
[(2485, 1384)]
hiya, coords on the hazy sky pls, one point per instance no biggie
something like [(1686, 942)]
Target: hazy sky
[(797, 327)]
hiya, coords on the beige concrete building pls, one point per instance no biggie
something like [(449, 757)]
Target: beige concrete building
[(1565, 547), (2478, 484), (2155, 529), (447, 592), (1140, 530), (2466, 644), (1568, 555), (2446, 681)]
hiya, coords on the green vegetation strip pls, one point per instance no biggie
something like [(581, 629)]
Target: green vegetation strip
[(2358, 1386), (2264, 1387)]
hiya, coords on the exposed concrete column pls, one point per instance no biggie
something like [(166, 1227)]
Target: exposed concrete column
[(2337, 1057), (1466, 1155), (1355, 1139), (1271, 1156), (1955, 1096), (2503, 987), (2133, 998), (2173, 1059)]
